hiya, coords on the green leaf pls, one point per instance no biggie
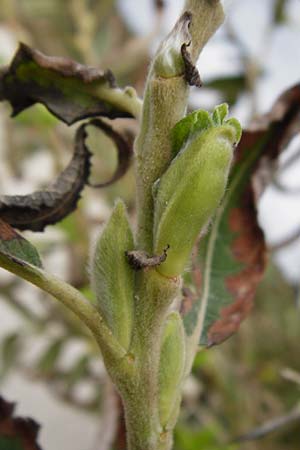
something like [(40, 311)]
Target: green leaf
[(68, 89), (231, 258), (14, 246), (195, 122), (112, 277), (47, 362)]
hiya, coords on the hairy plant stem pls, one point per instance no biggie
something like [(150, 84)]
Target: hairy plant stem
[(164, 106), (154, 296), (165, 103)]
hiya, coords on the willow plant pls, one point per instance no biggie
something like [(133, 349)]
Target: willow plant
[(182, 163)]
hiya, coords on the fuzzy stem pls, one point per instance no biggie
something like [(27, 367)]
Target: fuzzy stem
[(153, 298), (164, 105)]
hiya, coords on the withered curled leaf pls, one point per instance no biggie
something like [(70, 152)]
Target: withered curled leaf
[(16, 432), (71, 91), (232, 257), (41, 208), (124, 151), (141, 260), (191, 73)]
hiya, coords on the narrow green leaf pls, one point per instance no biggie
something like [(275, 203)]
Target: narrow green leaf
[(48, 360), (9, 351)]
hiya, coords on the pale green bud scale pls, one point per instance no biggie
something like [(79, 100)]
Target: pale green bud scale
[(171, 370), (112, 277)]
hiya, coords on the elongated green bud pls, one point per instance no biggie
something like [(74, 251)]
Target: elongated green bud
[(171, 367), (112, 277), (192, 187)]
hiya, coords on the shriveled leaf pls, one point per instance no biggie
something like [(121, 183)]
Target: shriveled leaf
[(191, 73), (124, 151), (16, 433), (71, 91), (139, 260), (232, 256), (41, 208), (14, 245)]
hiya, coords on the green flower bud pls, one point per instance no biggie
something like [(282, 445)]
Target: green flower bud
[(112, 277), (171, 367), (192, 187)]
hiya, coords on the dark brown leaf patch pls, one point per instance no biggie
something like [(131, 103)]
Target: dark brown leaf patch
[(41, 208), (68, 89), (7, 233), (23, 432), (191, 74)]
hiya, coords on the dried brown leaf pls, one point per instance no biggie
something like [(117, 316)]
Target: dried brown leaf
[(71, 91), (42, 208)]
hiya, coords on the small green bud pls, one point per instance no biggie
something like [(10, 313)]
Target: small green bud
[(112, 277), (171, 369), (192, 187)]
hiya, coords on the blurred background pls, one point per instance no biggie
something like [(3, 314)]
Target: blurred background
[(48, 363)]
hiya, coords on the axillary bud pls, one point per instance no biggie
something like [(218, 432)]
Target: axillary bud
[(191, 189)]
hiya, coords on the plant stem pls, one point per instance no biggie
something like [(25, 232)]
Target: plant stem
[(72, 299), (154, 295), (164, 105), (124, 99)]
